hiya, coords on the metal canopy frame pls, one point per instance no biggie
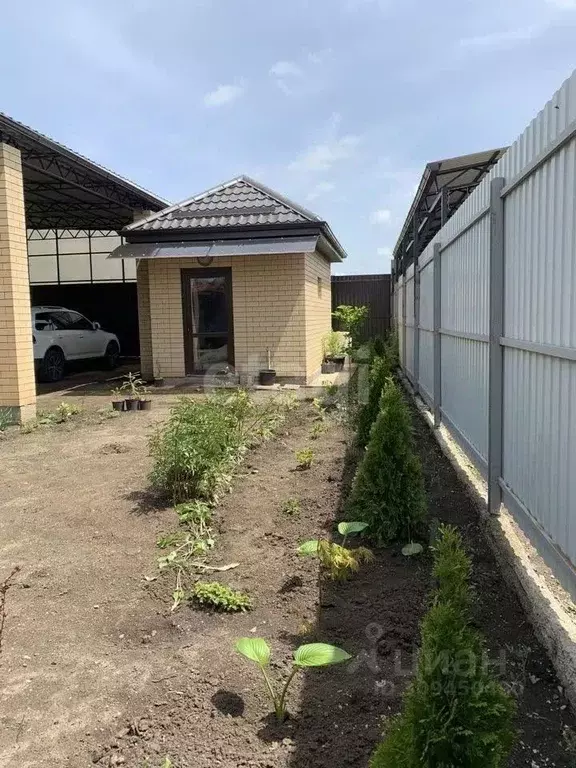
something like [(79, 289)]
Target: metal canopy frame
[(444, 186), (63, 190)]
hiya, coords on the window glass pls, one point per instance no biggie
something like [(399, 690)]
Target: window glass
[(43, 321), (61, 320), (79, 323)]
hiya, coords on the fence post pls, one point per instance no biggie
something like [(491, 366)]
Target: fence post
[(496, 331), (404, 324), (437, 322), (416, 364)]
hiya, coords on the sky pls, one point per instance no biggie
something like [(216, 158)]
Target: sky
[(338, 104)]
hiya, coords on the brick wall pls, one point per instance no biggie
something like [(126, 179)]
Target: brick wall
[(318, 310), (275, 306), (17, 384)]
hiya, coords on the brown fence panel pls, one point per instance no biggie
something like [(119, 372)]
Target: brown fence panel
[(372, 291)]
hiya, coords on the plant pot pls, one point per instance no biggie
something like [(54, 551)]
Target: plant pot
[(144, 405), (132, 405), (267, 377), (338, 362), (328, 366), (118, 405), (158, 382)]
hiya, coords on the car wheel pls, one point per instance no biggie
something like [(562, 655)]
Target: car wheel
[(112, 355), (52, 368)]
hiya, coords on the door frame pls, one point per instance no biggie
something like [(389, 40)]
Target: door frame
[(186, 275)]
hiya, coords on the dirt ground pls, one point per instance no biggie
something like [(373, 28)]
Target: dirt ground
[(95, 669)]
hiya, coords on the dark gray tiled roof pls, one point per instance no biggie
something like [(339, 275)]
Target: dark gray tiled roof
[(240, 202)]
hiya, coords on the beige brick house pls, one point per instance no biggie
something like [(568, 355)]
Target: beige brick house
[(231, 279)]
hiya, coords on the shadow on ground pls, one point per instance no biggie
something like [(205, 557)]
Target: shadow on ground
[(376, 615)]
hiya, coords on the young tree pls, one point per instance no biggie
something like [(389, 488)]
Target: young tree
[(379, 373), (388, 491), (456, 715)]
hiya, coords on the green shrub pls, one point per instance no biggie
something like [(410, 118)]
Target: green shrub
[(352, 319), (378, 347), (220, 597), (392, 346), (379, 372), (456, 715), (388, 491), (196, 451)]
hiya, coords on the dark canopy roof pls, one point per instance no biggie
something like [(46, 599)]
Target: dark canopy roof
[(444, 186), (240, 209), (65, 190)]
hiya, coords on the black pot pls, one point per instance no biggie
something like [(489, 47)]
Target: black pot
[(267, 377), (158, 382), (132, 405), (338, 362), (145, 405), (118, 405), (328, 366)]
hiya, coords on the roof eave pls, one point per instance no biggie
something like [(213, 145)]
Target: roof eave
[(328, 244)]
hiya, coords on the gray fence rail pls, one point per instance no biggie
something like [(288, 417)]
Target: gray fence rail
[(487, 322)]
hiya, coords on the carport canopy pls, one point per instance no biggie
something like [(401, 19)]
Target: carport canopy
[(45, 185)]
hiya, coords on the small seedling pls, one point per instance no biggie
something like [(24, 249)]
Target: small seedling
[(291, 507), (220, 597), (338, 561), (312, 655), (304, 458), (134, 386), (316, 430), (62, 414)]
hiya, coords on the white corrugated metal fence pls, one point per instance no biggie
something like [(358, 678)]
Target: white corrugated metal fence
[(497, 359)]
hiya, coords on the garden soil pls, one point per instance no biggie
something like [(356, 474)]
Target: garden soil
[(97, 671)]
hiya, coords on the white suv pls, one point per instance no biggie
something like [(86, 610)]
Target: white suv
[(60, 335)]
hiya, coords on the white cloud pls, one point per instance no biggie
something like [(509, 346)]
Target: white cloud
[(286, 69), (322, 188), (503, 39), (321, 157), (386, 252), (223, 94), (381, 216)]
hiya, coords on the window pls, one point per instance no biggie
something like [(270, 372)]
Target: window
[(79, 323), (319, 279), (44, 322)]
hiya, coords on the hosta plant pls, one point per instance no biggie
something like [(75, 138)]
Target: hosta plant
[(311, 655), (338, 561)]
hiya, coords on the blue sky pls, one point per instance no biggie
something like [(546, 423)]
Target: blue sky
[(338, 104)]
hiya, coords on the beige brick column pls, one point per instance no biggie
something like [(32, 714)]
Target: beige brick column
[(17, 381), (143, 286)]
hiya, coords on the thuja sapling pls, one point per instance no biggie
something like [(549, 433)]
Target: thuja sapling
[(311, 655)]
